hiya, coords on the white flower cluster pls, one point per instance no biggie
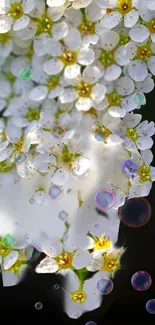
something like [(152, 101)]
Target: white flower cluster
[(71, 73)]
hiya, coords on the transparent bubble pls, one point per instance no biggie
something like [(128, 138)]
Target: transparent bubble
[(96, 225), (76, 315), (38, 305), (99, 136), (141, 281), (20, 157), (55, 192), (25, 74), (129, 168), (58, 131), (90, 323), (104, 286), (150, 306), (138, 98), (141, 215), (31, 200), (63, 215), (8, 241), (56, 286), (105, 199), (31, 252)]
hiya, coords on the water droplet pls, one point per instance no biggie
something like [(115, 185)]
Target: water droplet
[(141, 215), (8, 240), (104, 286), (20, 157), (38, 305), (55, 192), (105, 199), (31, 252), (99, 136), (150, 306), (63, 215), (58, 131), (141, 281), (25, 74)]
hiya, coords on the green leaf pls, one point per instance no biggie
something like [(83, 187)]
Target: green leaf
[(82, 274)]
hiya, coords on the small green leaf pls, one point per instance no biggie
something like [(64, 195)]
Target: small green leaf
[(82, 274)]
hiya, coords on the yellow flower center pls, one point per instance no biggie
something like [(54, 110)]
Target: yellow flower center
[(111, 263), (4, 251), (9, 76), (16, 10), (124, 6), (87, 28), (33, 114), (44, 23), (132, 134), (144, 52), (4, 38), (107, 58), (78, 296), (84, 89), (53, 82), (102, 243), (64, 260), (151, 25), (68, 57), (144, 173), (3, 136), (114, 98), (19, 145)]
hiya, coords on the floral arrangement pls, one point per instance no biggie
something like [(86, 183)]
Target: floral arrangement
[(73, 75)]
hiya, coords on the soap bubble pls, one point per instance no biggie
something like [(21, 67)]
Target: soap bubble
[(105, 199), (150, 306), (25, 74), (38, 305), (141, 281), (136, 212), (129, 168), (8, 241), (20, 157), (63, 215), (31, 252), (55, 192), (58, 131), (105, 286)]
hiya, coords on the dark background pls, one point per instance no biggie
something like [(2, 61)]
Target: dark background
[(124, 306)]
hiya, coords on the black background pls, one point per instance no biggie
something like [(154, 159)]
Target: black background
[(123, 306)]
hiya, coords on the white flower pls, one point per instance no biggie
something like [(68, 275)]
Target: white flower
[(6, 45), (15, 15), (108, 262), (77, 4), (118, 10), (61, 256), (79, 297), (86, 89), (40, 197), (88, 23), (137, 135), (140, 32), (141, 185), (69, 55), (121, 97), (105, 53)]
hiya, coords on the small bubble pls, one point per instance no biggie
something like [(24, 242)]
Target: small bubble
[(56, 286), (38, 305), (31, 200), (150, 306), (91, 323), (105, 286), (141, 281), (19, 157), (105, 199), (58, 131), (8, 241), (96, 226), (55, 192), (25, 74), (63, 215), (32, 252)]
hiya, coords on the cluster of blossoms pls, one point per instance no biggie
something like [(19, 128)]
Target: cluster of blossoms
[(72, 72)]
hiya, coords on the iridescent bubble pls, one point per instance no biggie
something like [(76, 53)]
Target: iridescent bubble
[(19, 157), (55, 192), (96, 225), (105, 199), (99, 136), (31, 252), (56, 286), (58, 131), (25, 74), (135, 212), (8, 241), (141, 281), (150, 306), (129, 168), (91, 323), (38, 305), (138, 98), (105, 286), (63, 215)]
